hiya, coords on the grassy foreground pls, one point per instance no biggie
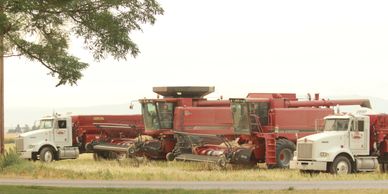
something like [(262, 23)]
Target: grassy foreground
[(86, 168), (59, 190)]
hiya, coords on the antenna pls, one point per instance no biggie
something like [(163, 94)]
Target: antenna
[(337, 109)]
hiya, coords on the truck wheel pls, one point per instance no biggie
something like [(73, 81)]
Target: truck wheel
[(341, 165), (383, 167), (284, 153), (46, 154)]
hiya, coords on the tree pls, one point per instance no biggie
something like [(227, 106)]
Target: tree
[(40, 29), (18, 129), (26, 128)]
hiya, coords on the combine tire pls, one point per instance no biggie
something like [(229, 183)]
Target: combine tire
[(46, 154), (341, 165), (284, 153)]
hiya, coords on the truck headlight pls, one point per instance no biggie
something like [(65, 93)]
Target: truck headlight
[(31, 146), (324, 154)]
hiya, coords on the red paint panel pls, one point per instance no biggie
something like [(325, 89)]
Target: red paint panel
[(85, 130), (208, 120), (298, 118)]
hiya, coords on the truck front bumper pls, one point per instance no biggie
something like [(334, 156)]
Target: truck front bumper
[(25, 154), (308, 165)]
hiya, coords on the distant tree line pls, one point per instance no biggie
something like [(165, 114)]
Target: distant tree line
[(19, 129)]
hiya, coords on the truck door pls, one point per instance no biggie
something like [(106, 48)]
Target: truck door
[(358, 137), (61, 133)]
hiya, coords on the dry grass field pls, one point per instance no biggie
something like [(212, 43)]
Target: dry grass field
[(86, 168), (61, 190)]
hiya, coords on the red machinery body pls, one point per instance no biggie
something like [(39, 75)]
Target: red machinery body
[(275, 120), (85, 130), (379, 133), (205, 120)]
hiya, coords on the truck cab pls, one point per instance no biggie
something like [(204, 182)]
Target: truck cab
[(51, 140), (343, 146)]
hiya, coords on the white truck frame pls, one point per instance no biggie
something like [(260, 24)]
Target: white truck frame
[(51, 141), (343, 147)]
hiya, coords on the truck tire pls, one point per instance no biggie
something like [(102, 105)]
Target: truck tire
[(341, 165), (284, 153), (46, 154)]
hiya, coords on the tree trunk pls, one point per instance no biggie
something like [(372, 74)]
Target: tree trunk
[(1, 94)]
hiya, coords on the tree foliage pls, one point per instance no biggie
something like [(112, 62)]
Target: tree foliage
[(40, 30)]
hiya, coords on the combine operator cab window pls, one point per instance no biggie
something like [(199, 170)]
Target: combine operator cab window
[(240, 118), (336, 124), (259, 109), (166, 111), (158, 115)]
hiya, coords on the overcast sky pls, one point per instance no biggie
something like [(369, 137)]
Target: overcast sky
[(332, 47)]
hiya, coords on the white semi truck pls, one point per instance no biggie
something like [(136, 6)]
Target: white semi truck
[(349, 143), (65, 137)]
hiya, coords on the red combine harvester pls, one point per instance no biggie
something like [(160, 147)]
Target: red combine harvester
[(267, 127), (182, 109), (65, 137)]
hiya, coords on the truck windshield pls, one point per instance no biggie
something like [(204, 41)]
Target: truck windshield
[(336, 124), (158, 115), (240, 117), (46, 124)]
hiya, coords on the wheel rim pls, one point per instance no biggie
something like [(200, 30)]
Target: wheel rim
[(48, 157), (285, 156), (342, 167)]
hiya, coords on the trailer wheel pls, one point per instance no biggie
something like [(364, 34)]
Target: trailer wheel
[(284, 153), (46, 154), (222, 162), (170, 156), (341, 165), (383, 167)]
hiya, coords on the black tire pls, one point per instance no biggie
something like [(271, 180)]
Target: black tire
[(170, 156), (96, 156), (341, 165), (222, 162), (383, 167), (46, 155), (284, 153)]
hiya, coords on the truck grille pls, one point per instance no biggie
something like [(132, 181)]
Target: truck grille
[(19, 144), (305, 150)]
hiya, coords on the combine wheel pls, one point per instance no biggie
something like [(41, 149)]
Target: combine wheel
[(222, 162), (284, 153), (170, 156), (383, 167), (341, 165), (46, 154)]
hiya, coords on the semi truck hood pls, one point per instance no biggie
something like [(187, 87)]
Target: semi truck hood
[(324, 136), (35, 133)]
